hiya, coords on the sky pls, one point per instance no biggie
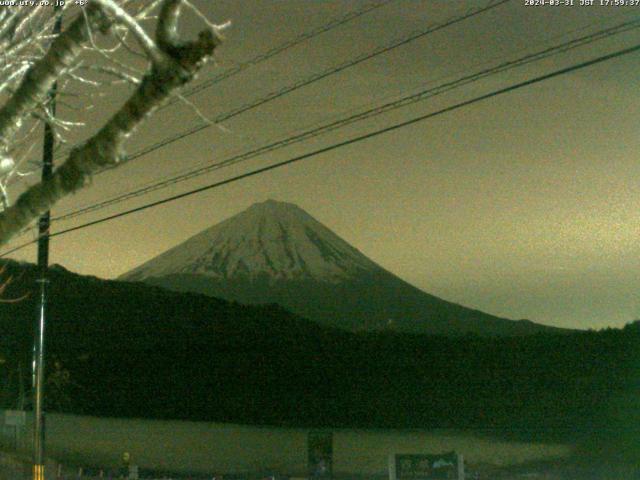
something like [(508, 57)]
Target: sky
[(523, 205)]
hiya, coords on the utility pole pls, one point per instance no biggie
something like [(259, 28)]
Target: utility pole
[(43, 267)]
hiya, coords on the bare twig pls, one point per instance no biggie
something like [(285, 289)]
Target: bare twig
[(41, 76), (175, 65)]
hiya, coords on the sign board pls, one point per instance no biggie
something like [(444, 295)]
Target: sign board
[(320, 454), (16, 418), (449, 466)]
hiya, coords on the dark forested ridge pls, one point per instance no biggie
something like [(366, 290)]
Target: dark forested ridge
[(131, 350)]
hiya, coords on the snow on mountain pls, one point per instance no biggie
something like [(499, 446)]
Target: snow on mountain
[(275, 252), (273, 239)]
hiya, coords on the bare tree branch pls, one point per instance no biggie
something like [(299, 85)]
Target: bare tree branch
[(178, 64), (121, 16), (40, 77)]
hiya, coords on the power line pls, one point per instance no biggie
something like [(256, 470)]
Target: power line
[(317, 77), (278, 49), (283, 47), (334, 125), (345, 143), (622, 27), (316, 131), (313, 78)]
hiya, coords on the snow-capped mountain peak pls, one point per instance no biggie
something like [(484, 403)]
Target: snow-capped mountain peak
[(272, 239), (275, 252)]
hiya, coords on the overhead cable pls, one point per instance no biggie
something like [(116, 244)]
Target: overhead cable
[(351, 141), (341, 123)]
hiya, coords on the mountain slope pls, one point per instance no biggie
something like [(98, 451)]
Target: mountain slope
[(275, 252)]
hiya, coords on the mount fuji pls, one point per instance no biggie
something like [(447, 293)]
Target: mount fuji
[(275, 252)]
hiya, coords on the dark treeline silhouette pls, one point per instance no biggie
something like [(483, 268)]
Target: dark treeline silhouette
[(131, 350)]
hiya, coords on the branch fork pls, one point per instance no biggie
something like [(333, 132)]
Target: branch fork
[(173, 64)]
